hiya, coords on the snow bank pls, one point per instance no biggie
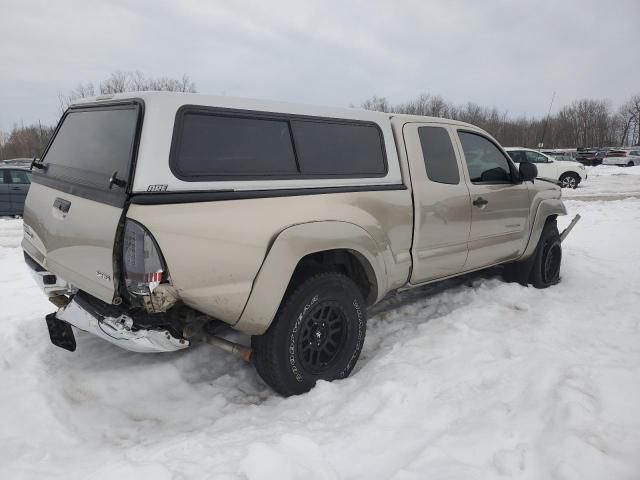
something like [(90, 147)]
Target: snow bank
[(473, 378), (608, 170), (607, 181)]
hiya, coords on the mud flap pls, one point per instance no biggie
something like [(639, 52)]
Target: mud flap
[(60, 333)]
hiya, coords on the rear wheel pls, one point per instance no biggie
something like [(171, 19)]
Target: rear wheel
[(317, 334), (569, 180)]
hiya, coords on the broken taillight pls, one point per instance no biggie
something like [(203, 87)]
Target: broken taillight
[(144, 267)]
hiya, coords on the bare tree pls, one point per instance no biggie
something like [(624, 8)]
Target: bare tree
[(629, 117), (25, 142), (583, 123), (120, 82)]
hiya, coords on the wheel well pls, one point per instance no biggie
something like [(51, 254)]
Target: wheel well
[(348, 262), (575, 174)]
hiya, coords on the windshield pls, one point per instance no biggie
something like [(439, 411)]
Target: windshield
[(91, 144)]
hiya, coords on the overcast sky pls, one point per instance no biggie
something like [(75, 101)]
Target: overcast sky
[(508, 54)]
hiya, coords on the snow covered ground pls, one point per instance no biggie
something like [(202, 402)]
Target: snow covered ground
[(473, 379), (608, 182)]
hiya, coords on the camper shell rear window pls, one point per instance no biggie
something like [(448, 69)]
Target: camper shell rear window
[(220, 144), (92, 145)]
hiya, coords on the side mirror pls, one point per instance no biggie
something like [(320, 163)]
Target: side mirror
[(528, 171)]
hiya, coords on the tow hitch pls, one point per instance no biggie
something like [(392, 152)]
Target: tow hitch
[(567, 230)]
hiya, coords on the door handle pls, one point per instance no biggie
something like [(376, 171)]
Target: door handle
[(16, 188), (62, 205), (480, 202)]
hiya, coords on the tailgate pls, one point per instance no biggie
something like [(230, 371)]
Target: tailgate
[(73, 210), (77, 245)]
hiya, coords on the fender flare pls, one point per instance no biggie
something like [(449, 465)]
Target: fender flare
[(546, 208), (287, 249)]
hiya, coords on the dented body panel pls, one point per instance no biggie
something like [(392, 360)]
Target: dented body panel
[(216, 249)]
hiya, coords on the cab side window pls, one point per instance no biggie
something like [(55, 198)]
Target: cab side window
[(534, 157), (439, 157), (485, 162)]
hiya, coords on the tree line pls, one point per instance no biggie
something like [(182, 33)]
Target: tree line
[(585, 123), (30, 141), (582, 123)]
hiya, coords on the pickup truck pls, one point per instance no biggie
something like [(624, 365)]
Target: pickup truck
[(156, 220)]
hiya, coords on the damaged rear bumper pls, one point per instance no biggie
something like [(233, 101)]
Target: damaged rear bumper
[(117, 328), (113, 324)]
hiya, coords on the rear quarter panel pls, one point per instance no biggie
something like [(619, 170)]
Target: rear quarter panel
[(214, 250)]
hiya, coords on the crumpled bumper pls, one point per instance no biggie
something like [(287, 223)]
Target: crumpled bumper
[(119, 330)]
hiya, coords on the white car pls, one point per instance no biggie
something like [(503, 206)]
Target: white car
[(569, 174), (623, 158)]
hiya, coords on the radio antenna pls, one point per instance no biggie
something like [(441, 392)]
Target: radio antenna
[(546, 122)]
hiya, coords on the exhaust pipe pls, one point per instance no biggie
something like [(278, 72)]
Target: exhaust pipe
[(245, 353), (240, 351), (60, 301)]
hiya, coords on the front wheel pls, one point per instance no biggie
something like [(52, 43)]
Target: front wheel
[(569, 180), (630, 164), (317, 334), (547, 258), (542, 269)]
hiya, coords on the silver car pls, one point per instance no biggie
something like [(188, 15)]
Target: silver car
[(622, 158), (14, 186)]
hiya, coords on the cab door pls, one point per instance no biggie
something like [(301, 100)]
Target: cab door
[(441, 200), (499, 201)]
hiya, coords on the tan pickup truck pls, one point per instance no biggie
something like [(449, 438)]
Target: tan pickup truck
[(156, 220)]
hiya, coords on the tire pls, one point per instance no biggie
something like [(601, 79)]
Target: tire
[(630, 164), (569, 180), (545, 270), (317, 334)]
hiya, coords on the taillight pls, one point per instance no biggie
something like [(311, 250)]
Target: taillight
[(144, 267)]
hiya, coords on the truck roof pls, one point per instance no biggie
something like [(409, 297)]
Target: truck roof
[(179, 98), (176, 99), (423, 118)]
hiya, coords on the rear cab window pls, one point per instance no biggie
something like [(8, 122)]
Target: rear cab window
[(209, 144), (91, 146), (439, 157)]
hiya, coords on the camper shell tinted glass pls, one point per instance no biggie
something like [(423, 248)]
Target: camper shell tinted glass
[(90, 145), (217, 144), (234, 145)]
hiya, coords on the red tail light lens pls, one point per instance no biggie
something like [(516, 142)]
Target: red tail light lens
[(144, 267)]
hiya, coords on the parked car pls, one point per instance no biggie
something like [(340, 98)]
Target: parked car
[(569, 174), (622, 158), (589, 157), (281, 221), (16, 162), (14, 185)]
